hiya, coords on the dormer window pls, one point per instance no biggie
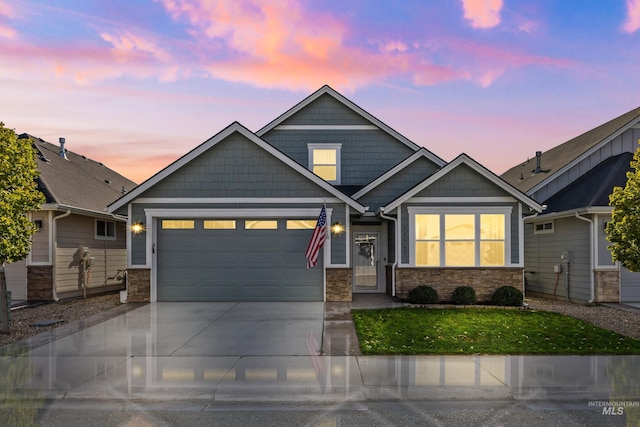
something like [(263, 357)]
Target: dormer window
[(324, 161)]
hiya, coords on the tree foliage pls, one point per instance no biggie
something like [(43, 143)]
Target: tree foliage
[(624, 228), (18, 195)]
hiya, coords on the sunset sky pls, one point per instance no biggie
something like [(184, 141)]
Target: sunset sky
[(136, 84)]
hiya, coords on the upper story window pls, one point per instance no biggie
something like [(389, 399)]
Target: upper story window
[(105, 230), (324, 161)]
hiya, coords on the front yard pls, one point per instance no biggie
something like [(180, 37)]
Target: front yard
[(483, 331)]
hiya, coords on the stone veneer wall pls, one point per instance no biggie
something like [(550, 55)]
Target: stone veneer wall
[(444, 280), (138, 285), (607, 285), (40, 283), (339, 285)]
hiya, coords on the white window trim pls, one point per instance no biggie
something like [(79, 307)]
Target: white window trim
[(328, 146), (95, 230), (543, 231), (505, 210)]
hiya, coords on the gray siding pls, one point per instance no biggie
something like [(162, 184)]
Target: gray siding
[(542, 252), (365, 154), (604, 254), (398, 184), (463, 182), (625, 143), (326, 110), (77, 231), (235, 167), (16, 277)]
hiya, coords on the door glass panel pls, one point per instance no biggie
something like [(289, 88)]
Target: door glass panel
[(365, 261)]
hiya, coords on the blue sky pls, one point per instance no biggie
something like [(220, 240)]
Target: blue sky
[(136, 84)]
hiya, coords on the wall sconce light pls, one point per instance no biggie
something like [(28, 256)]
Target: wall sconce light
[(137, 228), (337, 228), (38, 224)]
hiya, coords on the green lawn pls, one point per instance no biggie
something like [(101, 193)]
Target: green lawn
[(483, 331)]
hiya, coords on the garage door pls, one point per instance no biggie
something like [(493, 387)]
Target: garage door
[(629, 286), (236, 260)]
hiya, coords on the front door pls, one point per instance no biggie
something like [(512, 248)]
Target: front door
[(366, 262)]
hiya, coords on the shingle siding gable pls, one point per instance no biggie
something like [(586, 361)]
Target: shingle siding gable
[(235, 167), (326, 110), (463, 182), (399, 183)]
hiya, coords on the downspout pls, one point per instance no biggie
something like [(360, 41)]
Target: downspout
[(591, 255), (55, 245), (395, 257)]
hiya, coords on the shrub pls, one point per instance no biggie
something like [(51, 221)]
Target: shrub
[(464, 295), (423, 295), (507, 295)]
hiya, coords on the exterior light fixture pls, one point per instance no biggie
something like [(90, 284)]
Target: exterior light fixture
[(137, 228), (337, 228)]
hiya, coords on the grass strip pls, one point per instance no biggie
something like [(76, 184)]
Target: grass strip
[(483, 331)]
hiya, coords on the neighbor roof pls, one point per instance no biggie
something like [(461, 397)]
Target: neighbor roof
[(593, 188), (77, 181), (557, 158)]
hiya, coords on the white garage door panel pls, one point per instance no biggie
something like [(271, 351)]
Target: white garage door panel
[(240, 264)]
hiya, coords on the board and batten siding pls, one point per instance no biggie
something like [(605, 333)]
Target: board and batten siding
[(543, 251), (627, 142), (40, 239), (16, 277), (74, 232)]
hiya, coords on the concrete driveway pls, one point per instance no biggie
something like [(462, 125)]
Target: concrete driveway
[(203, 356)]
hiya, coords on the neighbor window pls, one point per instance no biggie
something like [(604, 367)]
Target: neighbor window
[(105, 230), (459, 239), (324, 161), (543, 227)]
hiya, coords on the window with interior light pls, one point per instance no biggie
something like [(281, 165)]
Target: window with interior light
[(324, 161), (459, 239)]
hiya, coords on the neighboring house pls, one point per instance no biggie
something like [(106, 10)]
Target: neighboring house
[(78, 248), (566, 254), (231, 219)]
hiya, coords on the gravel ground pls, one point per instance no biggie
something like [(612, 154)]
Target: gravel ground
[(69, 311), (622, 322)]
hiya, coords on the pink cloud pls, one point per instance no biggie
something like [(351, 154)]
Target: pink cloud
[(632, 24), (6, 12), (482, 13)]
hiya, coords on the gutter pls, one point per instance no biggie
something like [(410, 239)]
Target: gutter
[(395, 258), (55, 245), (591, 256)]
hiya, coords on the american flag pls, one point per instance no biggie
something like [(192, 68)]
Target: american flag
[(317, 239)]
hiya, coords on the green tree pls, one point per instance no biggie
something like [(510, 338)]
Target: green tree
[(18, 196), (624, 228)]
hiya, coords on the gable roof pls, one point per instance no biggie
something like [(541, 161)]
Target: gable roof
[(421, 153), (464, 159), (327, 90), (593, 188), (211, 142), (76, 182), (559, 158)]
